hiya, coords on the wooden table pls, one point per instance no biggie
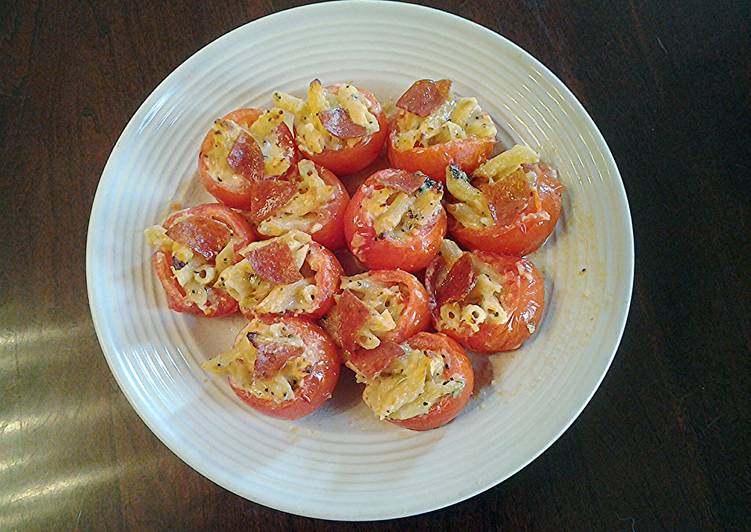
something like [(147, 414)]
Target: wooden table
[(663, 444)]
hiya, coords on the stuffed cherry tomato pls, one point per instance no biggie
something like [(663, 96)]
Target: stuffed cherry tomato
[(487, 302), (341, 127), (193, 247), (395, 220), (376, 306), (243, 147), (311, 200), (433, 128), (287, 275), (281, 366), (420, 384), (511, 204)]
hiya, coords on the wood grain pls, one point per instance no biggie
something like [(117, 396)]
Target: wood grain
[(663, 444)]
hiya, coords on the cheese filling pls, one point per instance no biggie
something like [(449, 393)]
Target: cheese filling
[(263, 131), (456, 119), (312, 137), (410, 385), (238, 363), (384, 303), (396, 214), (472, 209), (481, 305), (303, 210), (191, 270), (255, 294)]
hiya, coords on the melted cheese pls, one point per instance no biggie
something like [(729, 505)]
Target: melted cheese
[(238, 363), (481, 305), (311, 135), (384, 303), (471, 209), (263, 131), (302, 211), (410, 386), (259, 295), (456, 119), (395, 214), (506, 163), (196, 275)]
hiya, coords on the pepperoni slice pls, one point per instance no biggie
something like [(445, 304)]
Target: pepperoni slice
[(372, 362), (272, 356), (346, 320), (268, 196), (459, 281), (508, 196), (246, 158), (402, 180), (274, 262), (338, 122), (425, 96), (205, 236)]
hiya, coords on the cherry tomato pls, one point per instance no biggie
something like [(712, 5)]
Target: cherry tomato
[(206, 229), (410, 245), (522, 298), (348, 160), (518, 228), (237, 192), (329, 216), (468, 154), (347, 317), (315, 387)]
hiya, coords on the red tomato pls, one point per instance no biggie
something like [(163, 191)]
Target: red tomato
[(457, 362), (316, 387), (343, 323), (206, 229), (328, 272), (238, 195), (468, 154), (516, 231), (346, 160), (410, 252), (330, 216), (523, 300)]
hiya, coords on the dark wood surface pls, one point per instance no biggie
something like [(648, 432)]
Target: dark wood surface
[(664, 444)]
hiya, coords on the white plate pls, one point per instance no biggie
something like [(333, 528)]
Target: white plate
[(341, 463)]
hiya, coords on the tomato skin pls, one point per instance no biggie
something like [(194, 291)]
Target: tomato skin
[(314, 389), (523, 299), (331, 235), (468, 154), (327, 277), (448, 407), (346, 160), (411, 254), (222, 303), (520, 237), (239, 198)]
